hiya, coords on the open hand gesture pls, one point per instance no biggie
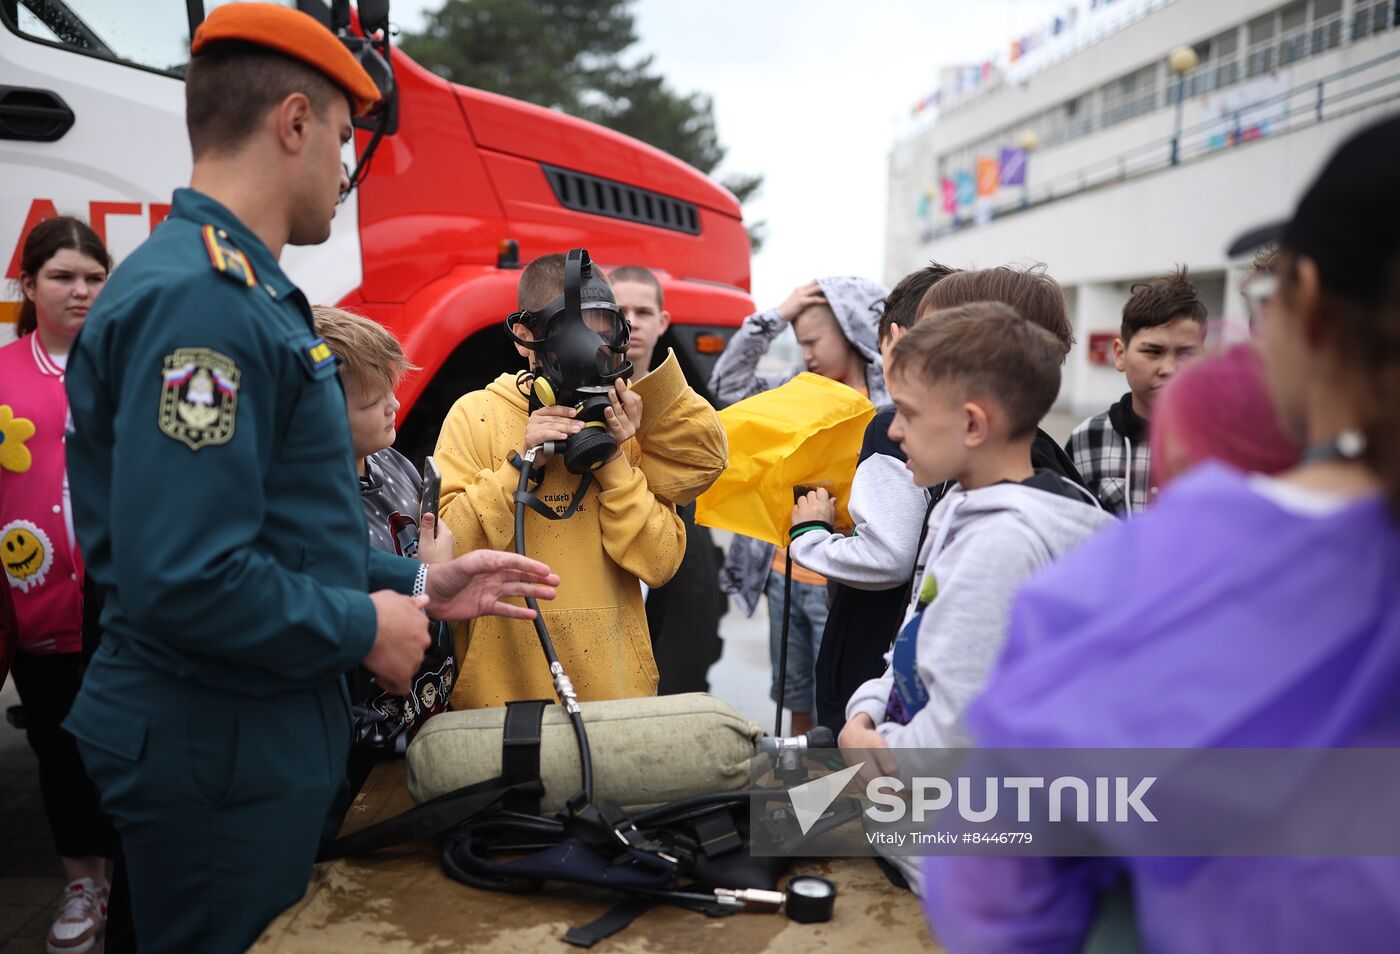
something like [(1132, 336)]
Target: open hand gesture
[(479, 583)]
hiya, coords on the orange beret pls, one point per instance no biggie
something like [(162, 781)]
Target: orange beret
[(298, 35)]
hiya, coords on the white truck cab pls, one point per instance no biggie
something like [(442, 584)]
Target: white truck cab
[(92, 124)]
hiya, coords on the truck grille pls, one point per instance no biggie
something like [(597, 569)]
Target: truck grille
[(617, 200)]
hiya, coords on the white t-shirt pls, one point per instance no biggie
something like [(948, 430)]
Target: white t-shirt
[(1300, 500), (62, 361)]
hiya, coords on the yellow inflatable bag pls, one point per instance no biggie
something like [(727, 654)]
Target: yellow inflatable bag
[(808, 431)]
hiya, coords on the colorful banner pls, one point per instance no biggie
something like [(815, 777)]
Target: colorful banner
[(950, 196), (928, 102), (921, 208), (967, 189), (1013, 167), (987, 173)]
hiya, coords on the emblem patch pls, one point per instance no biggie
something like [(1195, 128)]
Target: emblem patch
[(199, 397), (27, 554)]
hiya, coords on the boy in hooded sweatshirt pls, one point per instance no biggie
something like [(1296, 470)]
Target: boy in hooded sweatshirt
[(970, 385), (890, 511), (671, 447), (834, 320), (1163, 329), (869, 570)]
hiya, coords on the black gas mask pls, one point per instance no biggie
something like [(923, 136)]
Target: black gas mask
[(580, 342)]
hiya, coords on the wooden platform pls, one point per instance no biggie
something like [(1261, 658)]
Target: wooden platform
[(400, 901)]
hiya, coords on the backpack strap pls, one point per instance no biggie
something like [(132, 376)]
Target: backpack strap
[(622, 915), (544, 510), (520, 753), (428, 820), (716, 833)]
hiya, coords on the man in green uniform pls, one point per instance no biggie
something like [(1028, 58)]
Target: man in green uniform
[(213, 482)]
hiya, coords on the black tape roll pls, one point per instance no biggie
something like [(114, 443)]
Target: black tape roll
[(810, 900)]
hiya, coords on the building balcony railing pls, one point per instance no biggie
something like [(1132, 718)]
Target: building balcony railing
[(1106, 107), (1373, 82)]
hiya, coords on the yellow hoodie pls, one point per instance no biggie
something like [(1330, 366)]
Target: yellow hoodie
[(626, 529)]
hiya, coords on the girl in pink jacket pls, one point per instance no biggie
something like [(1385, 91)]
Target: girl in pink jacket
[(63, 266)]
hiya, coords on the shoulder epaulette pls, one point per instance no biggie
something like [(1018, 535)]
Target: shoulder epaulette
[(228, 258)]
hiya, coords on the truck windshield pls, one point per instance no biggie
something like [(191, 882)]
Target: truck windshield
[(154, 34)]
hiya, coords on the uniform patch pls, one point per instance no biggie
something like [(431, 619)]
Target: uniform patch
[(26, 552), (199, 397), (227, 257), (320, 353)]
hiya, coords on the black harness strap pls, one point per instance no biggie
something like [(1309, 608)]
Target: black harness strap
[(427, 820), (544, 510), (716, 834), (520, 753), (586, 935)]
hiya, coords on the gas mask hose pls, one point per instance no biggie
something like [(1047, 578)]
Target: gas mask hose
[(563, 686)]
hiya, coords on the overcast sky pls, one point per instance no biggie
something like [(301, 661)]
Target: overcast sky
[(813, 94)]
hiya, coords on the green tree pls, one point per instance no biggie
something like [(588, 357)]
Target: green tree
[(568, 55)]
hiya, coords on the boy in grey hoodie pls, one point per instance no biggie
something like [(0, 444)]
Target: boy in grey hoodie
[(869, 571), (835, 322), (969, 389)]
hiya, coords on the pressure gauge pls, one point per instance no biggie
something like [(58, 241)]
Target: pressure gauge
[(810, 899)]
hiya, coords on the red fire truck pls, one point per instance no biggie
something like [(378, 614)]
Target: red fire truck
[(463, 187)]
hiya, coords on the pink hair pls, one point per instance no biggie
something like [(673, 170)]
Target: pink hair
[(1219, 408)]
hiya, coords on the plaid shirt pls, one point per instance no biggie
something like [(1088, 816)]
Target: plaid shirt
[(1100, 451)]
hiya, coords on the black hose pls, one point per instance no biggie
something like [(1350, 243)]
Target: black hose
[(782, 651), (547, 644)]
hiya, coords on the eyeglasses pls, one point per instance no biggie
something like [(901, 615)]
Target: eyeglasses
[(1257, 292)]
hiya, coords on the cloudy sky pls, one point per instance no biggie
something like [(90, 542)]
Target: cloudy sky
[(812, 94)]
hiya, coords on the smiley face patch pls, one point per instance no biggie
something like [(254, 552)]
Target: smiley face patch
[(26, 553)]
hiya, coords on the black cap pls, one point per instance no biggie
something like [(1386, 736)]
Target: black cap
[(1348, 222)]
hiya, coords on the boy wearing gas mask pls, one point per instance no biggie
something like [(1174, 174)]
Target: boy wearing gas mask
[(616, 462)]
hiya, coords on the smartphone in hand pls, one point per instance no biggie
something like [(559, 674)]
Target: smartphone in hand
[(432, 492)]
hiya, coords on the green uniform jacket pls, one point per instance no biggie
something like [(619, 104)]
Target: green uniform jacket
[(211, 469)]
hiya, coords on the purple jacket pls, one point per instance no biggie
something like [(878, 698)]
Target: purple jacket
[(1216, 619)]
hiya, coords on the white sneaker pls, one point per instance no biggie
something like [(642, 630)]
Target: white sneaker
[(80, 918)]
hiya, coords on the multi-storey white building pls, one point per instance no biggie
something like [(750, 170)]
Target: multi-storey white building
[(1113, 193)]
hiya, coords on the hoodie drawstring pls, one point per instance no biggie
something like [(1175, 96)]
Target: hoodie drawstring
[(939, 539), (1128, 475)]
